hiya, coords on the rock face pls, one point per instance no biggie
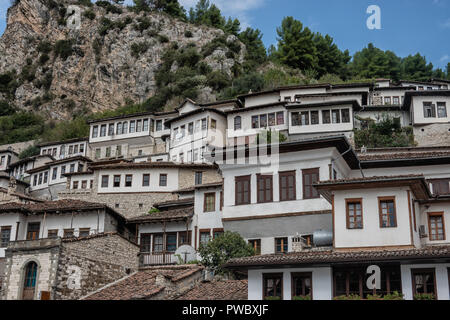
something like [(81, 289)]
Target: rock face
[(100, 72)]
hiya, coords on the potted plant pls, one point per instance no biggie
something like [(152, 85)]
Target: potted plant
[(349, 297), (424, 296), (307, 297)]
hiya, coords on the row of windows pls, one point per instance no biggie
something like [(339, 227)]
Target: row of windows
[(128, 181), (42, 177), (199, 125), (120, 128), (305, 118), (83, 184), (73, 149), (393, 100), (192, 155), (33, 230), (262, 120), (287, 186), (429, 110)]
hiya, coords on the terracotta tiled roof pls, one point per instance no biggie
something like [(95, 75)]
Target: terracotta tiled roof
[(403, 155), (156, 164), (318, 257), (142, 284), (178, 202), (168, 215), (218, 290), (199, 186)]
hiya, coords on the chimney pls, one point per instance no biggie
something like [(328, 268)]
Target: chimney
[(297, 243)]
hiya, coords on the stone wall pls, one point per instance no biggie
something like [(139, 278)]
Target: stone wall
[(16, 262), (437, 134), (186, 177), (87, 265)]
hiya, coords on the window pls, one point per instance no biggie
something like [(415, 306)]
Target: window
[(205, 236), (68, 233), (436, 227), (287, 186), (395, 100), (5, 236), (237, 123), (54, 173), (138, 125), (40, 178), (440, 186), (45, 176), (203, 124), (171, 242), (388, 216), (354, 213), (345, 114), (163, 180), (287, 99), (335, 116), (158, 125), (281, 245), (116, 181), (145, 125), (33, 230), (118, 151), (310, 176), (97, 153), (35, 179), (265, 188), (301, 284), (72, 168), (256, 244), (326, 116), (75, 149), (105, 181), (111, 129), (198, 177), (209, 202), (81, 148), (70, 149), (146, 180), (84, 232), (75, 185), (304, 118), (263, 121), (423, 282), (181, 157), (442, 110), (108, 152), (271, 117), (63, 171), (280, 118), (196, 155), (255, 122), (183, 131), (52, 233), (387, 100), (125, 127), (429, 110), (119, 128), (189, 156), (213, 124), (273, 285), (217, 233), (191, 128), (132, 126), (145, 242), (158, 243), (103, 130), (83, 184), (184, 237), (314, 117), (94, 131), (242, 190), (128, 180)]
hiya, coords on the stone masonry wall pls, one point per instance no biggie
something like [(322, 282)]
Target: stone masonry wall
[(186, 177), (47, 260), (432, 135), (87, 265)]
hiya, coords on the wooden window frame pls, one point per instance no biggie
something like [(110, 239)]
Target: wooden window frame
[(166, 243), (189, 237), (38, 230), (263, 177), (236, 181), (415, 271), (49, 231), (1, 233), (107, 181), (143, 180), (161, 175), (214, 230), (347, 216), (387, 198), (266, 276), (80, 230), (287, 244), (252, 242), (154, 242), (301, 274), (131, 181), (200, 231), (69, 230), (114, 180), (208, 194), (308, 172), (287, 174), (435, 214), (141, 236)]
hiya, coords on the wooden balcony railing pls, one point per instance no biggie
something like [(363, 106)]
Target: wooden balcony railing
[(157, 258)]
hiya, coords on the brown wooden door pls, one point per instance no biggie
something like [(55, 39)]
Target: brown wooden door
[(33, 230), (29, 284)]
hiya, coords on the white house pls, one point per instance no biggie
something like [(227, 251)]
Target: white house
[(65, 149)]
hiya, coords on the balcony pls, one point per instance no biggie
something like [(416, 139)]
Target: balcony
[(25, 245), (147, 259)]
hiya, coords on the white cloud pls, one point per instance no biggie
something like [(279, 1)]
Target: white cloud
[(444, 58), (240, 9)]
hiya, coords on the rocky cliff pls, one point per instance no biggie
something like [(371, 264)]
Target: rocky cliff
[(109, 61)]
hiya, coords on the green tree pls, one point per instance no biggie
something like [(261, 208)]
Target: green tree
[(29, 152), (233, 26), (256, 52), (6, 109), (207, 14), (416, 68), (331, 60), (244, 84), (218, 251), (448, 71)]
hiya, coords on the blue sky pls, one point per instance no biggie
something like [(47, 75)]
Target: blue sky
[(407, 26)]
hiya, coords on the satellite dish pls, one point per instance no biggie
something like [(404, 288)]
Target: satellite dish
[(187, 253)]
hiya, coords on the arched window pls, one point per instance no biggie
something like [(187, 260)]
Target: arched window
[(237, 123), (29, 284)]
